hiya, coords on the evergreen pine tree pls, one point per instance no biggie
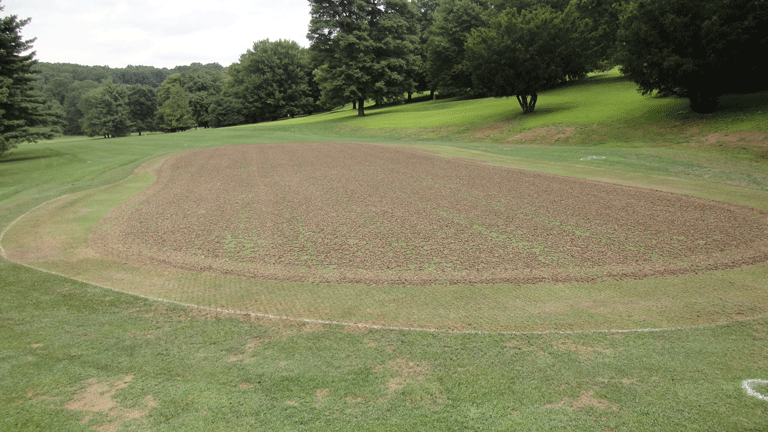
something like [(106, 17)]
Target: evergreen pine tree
[(23, 114)]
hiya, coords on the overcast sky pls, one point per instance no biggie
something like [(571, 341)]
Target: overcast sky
[(161, 33)]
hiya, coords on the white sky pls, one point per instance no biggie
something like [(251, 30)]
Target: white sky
[(161, 33)]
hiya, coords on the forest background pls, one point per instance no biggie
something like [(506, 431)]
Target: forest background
[(385, 51)]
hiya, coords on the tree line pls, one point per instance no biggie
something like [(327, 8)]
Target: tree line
[(384, 51)]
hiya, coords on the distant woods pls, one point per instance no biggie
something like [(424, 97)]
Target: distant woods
[(110, 102), (365, 52)]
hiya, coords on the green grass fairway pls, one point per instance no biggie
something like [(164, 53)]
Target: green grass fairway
[(79, 356)]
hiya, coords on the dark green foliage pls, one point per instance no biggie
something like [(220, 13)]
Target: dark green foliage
[(174, 113), (149, 76), (696, 49), (366, 49), (164, 91), (202, 85), (426, 16), (446, 65), (23, 113), (142, 106), (72, 113), (272, 81), (209, 67), (226, 111), (558, 5), (66, 83), (521, 53), (598, 22), (105, 111)]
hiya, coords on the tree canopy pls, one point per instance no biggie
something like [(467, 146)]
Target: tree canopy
[(521, 53), (174, 112), (105, 111), (696, 49), (446, 64), (23, 113), (142, 106), (366, 49), (272, 81)]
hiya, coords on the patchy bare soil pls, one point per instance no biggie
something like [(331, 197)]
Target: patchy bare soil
[(544, 135), (745, 140), (375, 214), (98, 399)]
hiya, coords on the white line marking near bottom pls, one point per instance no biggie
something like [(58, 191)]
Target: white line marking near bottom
[(747, 386)]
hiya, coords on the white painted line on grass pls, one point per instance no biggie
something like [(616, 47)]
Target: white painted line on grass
[(2, 235), (349, 324), (747, 386), (392, 328)]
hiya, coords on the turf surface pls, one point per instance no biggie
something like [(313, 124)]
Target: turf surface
[(79, 357)]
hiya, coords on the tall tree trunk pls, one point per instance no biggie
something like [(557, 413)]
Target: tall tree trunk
[(528, 105), (360, 108), (354, 105), (702, 102)]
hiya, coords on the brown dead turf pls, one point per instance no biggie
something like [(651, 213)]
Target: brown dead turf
[(375, 214)]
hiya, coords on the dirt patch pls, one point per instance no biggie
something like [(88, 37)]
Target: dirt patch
[(586, 400), (748, 140), (97, 398), (374, 214), (490, 131), (321, 395), (405, 372), (583, 350), (544, 135)]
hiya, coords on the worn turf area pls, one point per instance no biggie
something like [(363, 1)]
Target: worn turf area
[(374, 214), (402, 238)]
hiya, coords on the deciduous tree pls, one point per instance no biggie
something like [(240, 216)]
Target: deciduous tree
[(366, 48), (72, 113), (203, 85), (272, 81), (226, 111), (175, 114), (698, 49), (105, 111), (142, 107), (521, 53), (447, 68)]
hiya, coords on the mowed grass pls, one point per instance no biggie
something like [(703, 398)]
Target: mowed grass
[(80, 357)]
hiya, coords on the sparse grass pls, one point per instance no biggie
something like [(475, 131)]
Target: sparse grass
[(190, 370)]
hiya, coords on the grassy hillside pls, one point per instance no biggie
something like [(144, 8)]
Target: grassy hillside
[(80, 357)]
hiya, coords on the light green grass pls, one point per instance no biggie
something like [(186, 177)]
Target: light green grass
[(203, 371)]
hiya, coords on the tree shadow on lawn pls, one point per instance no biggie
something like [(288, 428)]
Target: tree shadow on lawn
[(29, 155)]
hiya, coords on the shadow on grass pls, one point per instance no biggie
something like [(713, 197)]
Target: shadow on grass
[(749, 101), (29, 155)]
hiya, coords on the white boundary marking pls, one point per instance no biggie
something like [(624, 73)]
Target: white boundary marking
[(350, 324), (747, 386)]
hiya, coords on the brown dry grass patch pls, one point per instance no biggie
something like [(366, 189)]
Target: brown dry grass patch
[(97, 399), (380, 215), (587, 399)]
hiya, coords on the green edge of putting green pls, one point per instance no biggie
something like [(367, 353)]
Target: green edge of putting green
[(663, 302)]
